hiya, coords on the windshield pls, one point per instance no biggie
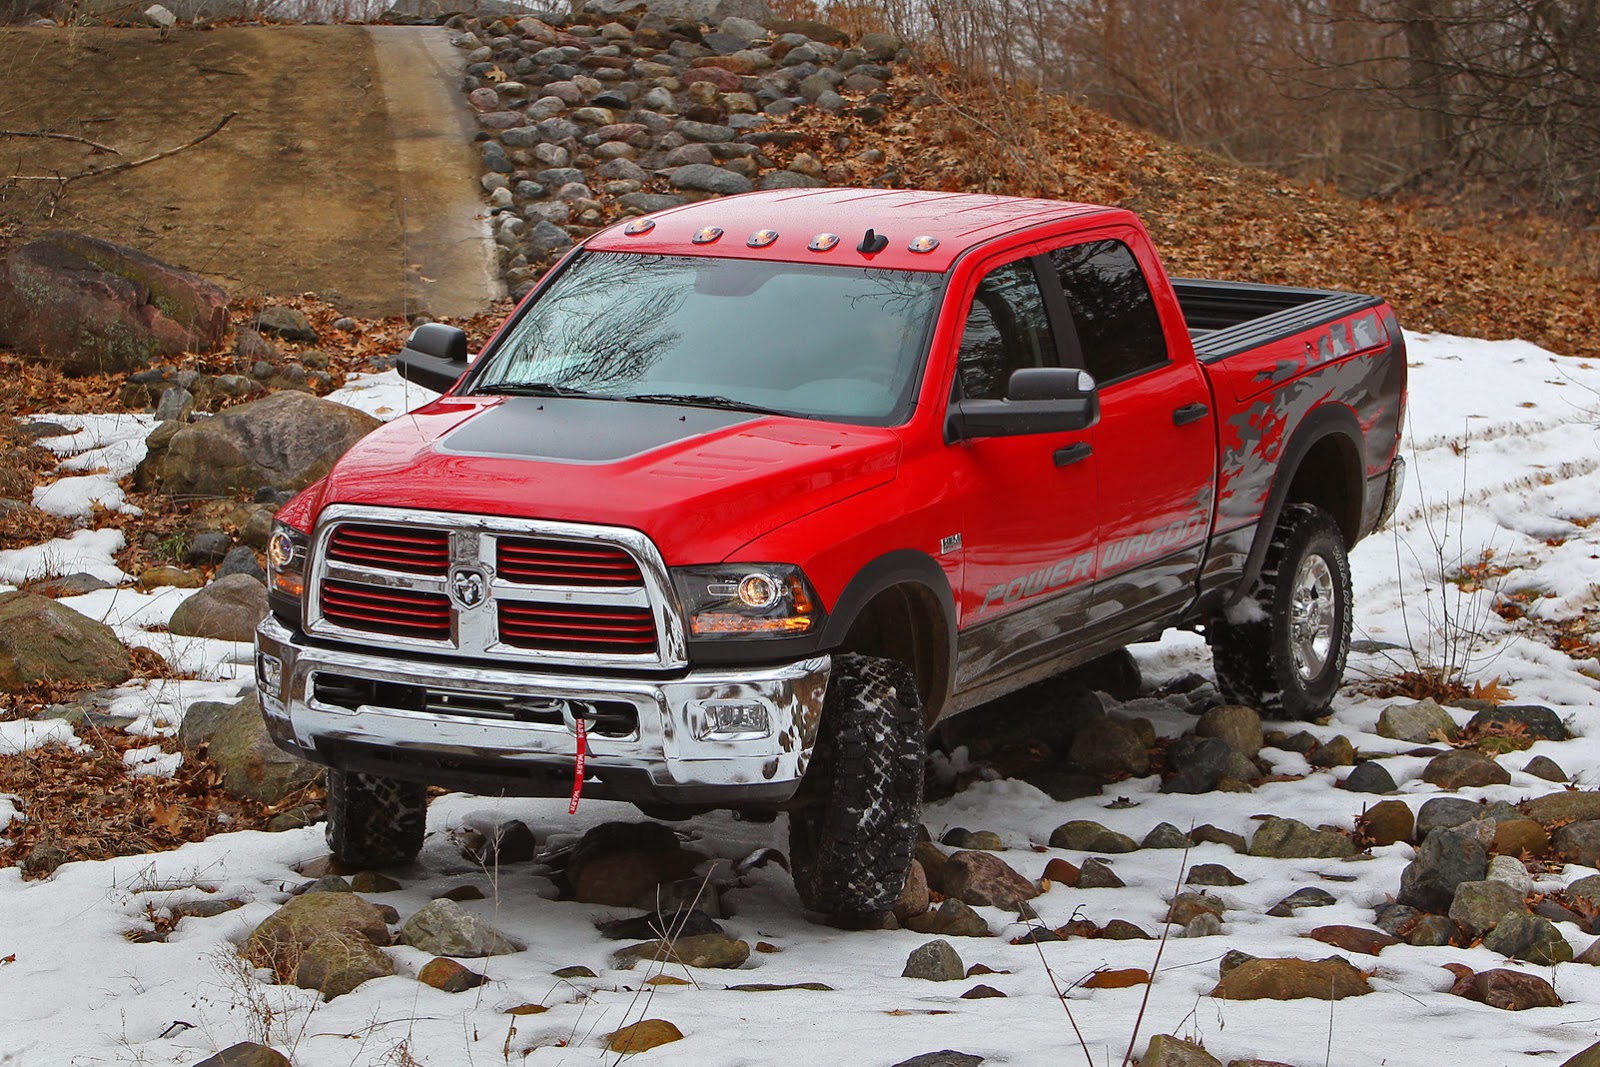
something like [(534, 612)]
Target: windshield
[(823, 342)]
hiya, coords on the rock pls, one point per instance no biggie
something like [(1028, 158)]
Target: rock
[(698, 950), (445, 928), (1354, 939), (1061, 872), (42, 642), (335, 963), (1063, 785), (509, 842), (1096, 875), (931, 859), (1201, 768), (1203, 925), (1110, 748), (642, 1035), (1165, 835), (1292, 979), (1509, 990), (1589, 1057), (1082, 835), (935, 962), (1546, 768), (1590, 955), (1578, 842), (1168, 1051), (1395, 919), (1336, 751), (1512, 872), (1445, 812), (1444, 861), (226, 610), (1370, 777), (71, 585), (1464, 767), (1123, 930), (1572, 805), (1207, 834), (577, 971), (1212, 874), (286, 323), (253, 768), (449, 976), (1185, 906), (287, 441), (952, 918), (241, 560), (246, 1054), (704, 177), (942, 1058), (621, 879), (373, 882), (1587, 890), (95, 307), (983, 879), (1434, 931), (1309, 896), (1478, 906), (176, 404), (684, 923), (913, 898), (207, 549), (1387, 822), (1236, 724), (282, 938), (1421, 723), (1528, 720), (1529, 937), (169, 578), (328, 883), (1292, 839)]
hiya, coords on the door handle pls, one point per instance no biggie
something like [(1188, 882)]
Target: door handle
[(1189, 413), (1072, 453)]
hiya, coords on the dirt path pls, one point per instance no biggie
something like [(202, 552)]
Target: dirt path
[(348, 171)]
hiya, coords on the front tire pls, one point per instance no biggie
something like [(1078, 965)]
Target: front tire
[(850, 844), (375, 821), (1285, 656)]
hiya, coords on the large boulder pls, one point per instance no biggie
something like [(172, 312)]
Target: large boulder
[(42, 641), (286, 441), (95, 307), (283, 937), (253, 768), (227, 610)]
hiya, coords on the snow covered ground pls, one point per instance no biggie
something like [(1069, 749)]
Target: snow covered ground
[(1502, 443)]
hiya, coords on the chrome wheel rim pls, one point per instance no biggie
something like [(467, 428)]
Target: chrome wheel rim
[(1311, 617)]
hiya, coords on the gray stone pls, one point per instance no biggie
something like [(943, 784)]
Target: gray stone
[(935, 961), (1212, 874), (1095, 874), (1292, 839), (241, 560), (1464, 767), (1445, 860), (1433, 931), (1512, 872), (176, 404), (1546, 768), (1395, 919), (788, 179), (1203, 925), (1236, 724), (1531, 720), (713, 950), (1579, 842), (546, 237), (1206, 834), (1522, 936), (951, 1058), (282, 937), (1083, 835), (1110, 748), (1165, 835), (1309, 896), (285, 322), (445, 928), (1421, 723), (1207, 764), (208, 548), (226, 610), (1478, 906), (645, 203), (1586, 889), (704, 177), (336, 963), (252, 767), (1445, 813), (42, 642), (705, 132), (246, 1054), (1370, 777), (1568, 805), (1168, 1051), (952, 918)]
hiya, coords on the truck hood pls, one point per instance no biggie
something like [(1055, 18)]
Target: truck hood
[(700, 482)]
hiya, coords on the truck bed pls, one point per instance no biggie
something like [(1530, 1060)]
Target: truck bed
[(1226, 318)]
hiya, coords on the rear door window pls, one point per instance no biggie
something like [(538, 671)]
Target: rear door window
[(1112, 310)]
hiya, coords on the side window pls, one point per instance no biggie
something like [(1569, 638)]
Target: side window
[(1007, 328), (1112, 309)]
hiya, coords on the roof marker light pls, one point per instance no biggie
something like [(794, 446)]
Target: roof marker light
[(823, 242), (707, 235), (762, 238), (639, 226), (924, 244)]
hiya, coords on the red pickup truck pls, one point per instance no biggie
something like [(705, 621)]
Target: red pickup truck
[(751, 493)]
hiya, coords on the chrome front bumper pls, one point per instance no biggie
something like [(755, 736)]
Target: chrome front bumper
[(721, 737)]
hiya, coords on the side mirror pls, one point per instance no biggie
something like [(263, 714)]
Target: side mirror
[(1038, 400), (434, 357)]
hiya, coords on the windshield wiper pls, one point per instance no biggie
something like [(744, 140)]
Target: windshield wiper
[(701, 400), (537, 389)]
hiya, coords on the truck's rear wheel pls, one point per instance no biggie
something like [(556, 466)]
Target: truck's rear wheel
[(374, 821), (850, 845), (1286, 655)]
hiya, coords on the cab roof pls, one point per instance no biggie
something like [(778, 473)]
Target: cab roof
[(957, 221)]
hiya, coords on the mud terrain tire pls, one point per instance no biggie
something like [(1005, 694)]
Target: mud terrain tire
[(373, 821), (851, 846), (1288, 660)]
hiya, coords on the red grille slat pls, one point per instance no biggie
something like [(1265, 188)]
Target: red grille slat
[(538, 561), (395, 548), (576, 628), (405, 612)]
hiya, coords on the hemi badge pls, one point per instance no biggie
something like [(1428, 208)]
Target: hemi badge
[(950, 544)]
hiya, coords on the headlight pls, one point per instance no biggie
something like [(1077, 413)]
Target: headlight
[(747, 600), (286, 561)]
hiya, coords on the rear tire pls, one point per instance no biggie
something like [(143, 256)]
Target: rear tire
[(374, 821), (851, 844), (1288, 661)]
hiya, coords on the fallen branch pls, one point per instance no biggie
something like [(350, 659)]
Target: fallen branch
[(60, 137), (127, 164)]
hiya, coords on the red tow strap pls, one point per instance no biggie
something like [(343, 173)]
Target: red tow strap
[(577, 767)]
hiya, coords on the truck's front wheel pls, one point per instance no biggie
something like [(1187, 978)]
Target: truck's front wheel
[(1285, 652), (851, 841), (374, 821)]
